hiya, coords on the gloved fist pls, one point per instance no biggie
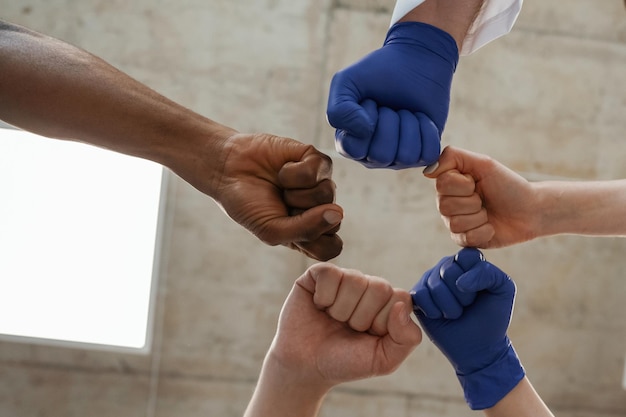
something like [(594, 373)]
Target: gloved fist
[(390, 107), (464, 305)]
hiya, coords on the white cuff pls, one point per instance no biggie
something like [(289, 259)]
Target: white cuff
[(402, 8), (496, 18)]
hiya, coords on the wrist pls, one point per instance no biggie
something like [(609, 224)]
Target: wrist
[(448, 16), (485, 387), (296, 375), (283, 392), (428, 37), (197, 153), (522, 401), (551, 213)]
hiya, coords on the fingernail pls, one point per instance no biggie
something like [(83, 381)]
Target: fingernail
[(332, 217), (431, 168)]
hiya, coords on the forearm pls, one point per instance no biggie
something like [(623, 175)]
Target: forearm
[(56, 90), (280, 394), (595, 208), (522, 401), (451, 16)]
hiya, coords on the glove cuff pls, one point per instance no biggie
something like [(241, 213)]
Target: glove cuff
[(484, 388), (426, 36)]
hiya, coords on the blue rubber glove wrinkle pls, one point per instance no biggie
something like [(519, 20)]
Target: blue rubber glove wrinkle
[(412, 71), (347, 144), (475, 343), (381, 151), (450, 306), (437, 294), (449, 274), (468, 257), (423, 303)]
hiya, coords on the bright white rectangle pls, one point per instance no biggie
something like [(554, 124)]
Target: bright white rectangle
[(78, 232)]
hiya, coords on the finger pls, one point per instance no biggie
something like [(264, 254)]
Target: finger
[(353, 145), (431, 140), (307, 172), (465, 222), (304, 198), (454, 206), (442, 296), (410, 140), (379, 324), (400, 322), (479, 237), (384, 146), (305, 227), (461, 160), (404, 335), (450, 272), (334, 230), (453, 183), (485, 276), (376, 296), (423, 303), (344, 111), (351, 289), (322, 280), (468, 257), (324, 248)]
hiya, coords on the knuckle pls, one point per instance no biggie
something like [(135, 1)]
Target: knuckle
[(358, 326), (442, 183), (268, 236), (445, 206), (322, 269), (455, 224), (325, 192)]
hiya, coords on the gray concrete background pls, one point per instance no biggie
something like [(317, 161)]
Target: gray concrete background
[(549, 100)]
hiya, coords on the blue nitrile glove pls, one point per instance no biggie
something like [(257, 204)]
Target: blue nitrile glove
[(464, 305), (390, 107)]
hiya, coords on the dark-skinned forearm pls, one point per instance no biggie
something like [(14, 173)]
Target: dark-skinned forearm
[(60, 91)]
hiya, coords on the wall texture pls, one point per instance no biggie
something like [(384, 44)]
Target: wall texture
[(549, 100)]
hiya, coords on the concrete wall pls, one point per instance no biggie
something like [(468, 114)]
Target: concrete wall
[(548, 100)]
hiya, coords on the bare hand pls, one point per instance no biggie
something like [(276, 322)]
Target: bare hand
[(482, 202), (280, 190), (340, 325)]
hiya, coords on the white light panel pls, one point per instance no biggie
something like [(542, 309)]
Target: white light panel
[(78, 232)]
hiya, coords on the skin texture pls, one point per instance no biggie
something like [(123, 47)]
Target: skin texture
[(340, 325), (336, 325), (522, 401), (279, 189), (451, 16), (487, 205)]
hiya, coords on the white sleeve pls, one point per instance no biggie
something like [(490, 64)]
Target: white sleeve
[(495, 19), (402, 8)]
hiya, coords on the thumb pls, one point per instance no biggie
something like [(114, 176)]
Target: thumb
[(485, 276), (404, 335), (466, 162), (306, 170), (304, 227), (352, 145), (450, 158), (466, 258), (345, 111)]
